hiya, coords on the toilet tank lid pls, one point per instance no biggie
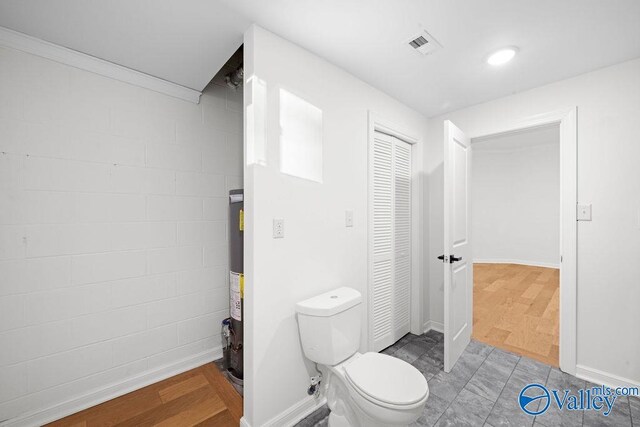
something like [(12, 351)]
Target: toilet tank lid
[(330, 303)]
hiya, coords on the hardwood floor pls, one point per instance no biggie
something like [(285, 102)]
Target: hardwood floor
[(200, 397), (516, 308)]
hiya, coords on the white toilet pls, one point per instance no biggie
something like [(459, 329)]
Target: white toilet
[(363, 390)]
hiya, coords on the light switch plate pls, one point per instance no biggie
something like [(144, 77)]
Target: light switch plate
[(348, 218), (278, 228), (584, 212)]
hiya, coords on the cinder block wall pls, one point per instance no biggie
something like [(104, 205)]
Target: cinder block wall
[(113, 253)]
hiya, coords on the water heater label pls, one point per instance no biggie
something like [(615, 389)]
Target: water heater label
[(236, 300)]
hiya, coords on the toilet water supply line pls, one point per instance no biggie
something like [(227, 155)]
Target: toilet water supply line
[(314, 388)]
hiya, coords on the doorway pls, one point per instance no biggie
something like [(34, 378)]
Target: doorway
[(515, 224), (458, 189)]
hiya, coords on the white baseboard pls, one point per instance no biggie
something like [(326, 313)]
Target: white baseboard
[(516, 261), (291, 416), (111, 391), (432, 325), (603, 378)]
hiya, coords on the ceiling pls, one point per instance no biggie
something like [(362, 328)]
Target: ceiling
[(187, 41), (181, 41), (522, 139)]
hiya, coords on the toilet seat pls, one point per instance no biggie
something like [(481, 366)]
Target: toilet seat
[(386, 381)]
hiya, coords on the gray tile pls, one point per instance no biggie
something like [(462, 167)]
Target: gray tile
[(427, 366), (389, 351), (407, 339), (490, 379), (436, 355), (507, 411), (433, 409), (517, 381), (447, 385), (394, 347), (634, 403), (504, 359), (554, 416), (410, 352), (473, 357), (533, 370), (479, 348), (426, 344), (430, 338), (468, 409), (438, 336), (559, 380), (620, 414), (319, 418), (467, 365)]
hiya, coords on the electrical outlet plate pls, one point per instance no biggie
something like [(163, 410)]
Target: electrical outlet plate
[(348, 218), (278, 228), (584, 212)]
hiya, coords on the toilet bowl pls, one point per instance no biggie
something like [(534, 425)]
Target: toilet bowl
[(376, 390), (362, 389)]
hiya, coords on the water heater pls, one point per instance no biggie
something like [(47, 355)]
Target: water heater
[(235, 349)]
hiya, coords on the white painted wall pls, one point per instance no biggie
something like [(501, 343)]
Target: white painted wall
[(608, 102), (318, 252), (113, 250), (515, 183)]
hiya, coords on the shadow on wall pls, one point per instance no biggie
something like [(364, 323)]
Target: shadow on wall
[(436, 242)]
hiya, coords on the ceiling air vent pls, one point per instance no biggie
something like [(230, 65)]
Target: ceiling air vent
[(424, 43)]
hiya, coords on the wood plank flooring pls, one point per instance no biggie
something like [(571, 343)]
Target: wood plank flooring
[(200, 397), (516, 308)]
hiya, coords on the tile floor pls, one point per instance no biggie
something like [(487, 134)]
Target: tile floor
[(483, 387)]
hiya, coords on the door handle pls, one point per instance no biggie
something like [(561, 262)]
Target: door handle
[(451, 259)]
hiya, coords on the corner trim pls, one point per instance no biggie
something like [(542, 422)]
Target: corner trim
[(113, 390), (516, 261), (292, 415), (603, 378), (432, 325), (25, 43)]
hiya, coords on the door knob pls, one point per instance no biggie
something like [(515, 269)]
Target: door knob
[(451, 259)]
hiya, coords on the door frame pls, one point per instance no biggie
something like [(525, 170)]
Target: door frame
[(568, 121), (378, 123)]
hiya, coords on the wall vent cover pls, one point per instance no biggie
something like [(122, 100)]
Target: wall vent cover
[(424, 43)]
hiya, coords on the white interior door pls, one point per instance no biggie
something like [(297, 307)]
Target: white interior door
[(390, 247), (458, 265)]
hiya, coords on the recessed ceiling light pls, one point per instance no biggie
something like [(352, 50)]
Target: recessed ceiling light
[(502, 56)]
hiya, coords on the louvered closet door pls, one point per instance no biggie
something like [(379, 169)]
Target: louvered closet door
[(402, 237), (390, 285)]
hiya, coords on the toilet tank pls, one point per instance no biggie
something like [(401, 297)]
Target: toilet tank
[(330, 325)]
